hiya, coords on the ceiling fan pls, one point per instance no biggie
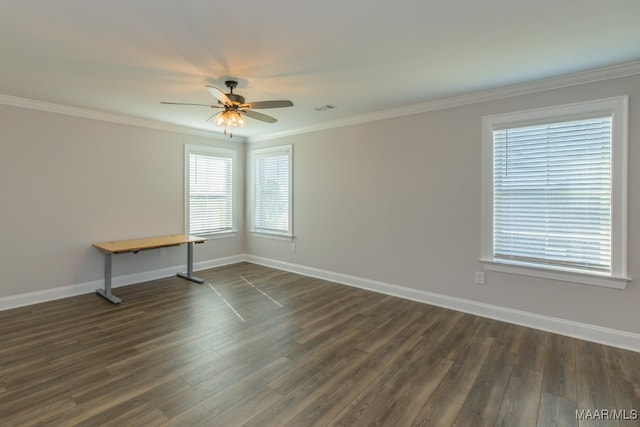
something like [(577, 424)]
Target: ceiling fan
[(235, 108)]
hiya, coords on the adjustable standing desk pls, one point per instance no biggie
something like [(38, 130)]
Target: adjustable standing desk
[(137, 245)]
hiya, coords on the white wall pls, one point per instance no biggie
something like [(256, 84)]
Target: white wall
[(66, 182), (400, 201)]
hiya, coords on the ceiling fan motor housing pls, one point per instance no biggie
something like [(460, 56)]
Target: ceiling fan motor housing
[(236, 99)]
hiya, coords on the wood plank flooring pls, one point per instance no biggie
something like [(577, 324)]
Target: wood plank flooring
[(254, 346)]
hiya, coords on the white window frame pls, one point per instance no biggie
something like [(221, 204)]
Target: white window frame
[(618, 108), (255, 154), (214, 152)]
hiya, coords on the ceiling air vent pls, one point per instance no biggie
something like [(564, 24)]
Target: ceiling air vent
[(325, 107)]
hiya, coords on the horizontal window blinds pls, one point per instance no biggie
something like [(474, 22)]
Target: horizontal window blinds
[(272, 182), (552, 194), (210, 193)]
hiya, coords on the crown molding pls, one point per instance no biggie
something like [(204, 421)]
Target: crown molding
[(50, 107), (573, 79)]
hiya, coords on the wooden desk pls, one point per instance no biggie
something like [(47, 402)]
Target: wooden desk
[(137, 245)]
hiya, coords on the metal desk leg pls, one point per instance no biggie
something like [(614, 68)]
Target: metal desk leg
[(189, 274), (106, 292)]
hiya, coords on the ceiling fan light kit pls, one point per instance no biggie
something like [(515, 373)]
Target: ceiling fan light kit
[(229, 119), (235, 108)]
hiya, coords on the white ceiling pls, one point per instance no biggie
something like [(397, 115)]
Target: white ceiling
[(364, 57)]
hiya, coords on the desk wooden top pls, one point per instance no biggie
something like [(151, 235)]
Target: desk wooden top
[(150, 243)]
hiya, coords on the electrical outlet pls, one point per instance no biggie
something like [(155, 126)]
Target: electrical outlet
[(480, 277), (293, 247), (163, 251)]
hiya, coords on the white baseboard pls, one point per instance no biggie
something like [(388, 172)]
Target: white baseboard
[(607, 336), (218, 262), (584, 331), (36, 297)]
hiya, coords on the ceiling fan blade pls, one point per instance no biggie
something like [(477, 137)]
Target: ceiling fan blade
[(268, 104), (259, 116), (219, 95), (186, 103)]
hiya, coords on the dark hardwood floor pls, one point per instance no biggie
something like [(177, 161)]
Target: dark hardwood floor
[(260, 347)]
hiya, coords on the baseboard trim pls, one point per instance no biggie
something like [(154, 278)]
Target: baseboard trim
[(584, 331), (37, 297), (601, 335)]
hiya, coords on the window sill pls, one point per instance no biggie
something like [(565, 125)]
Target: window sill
[(220, 235), (273, 236), (566, 275)]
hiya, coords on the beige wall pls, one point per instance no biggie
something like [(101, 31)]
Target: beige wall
[(397, 201), (66, 182), (400, 201)]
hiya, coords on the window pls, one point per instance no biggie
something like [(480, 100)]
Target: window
[(272, 191), (209, 190), (555, 192)]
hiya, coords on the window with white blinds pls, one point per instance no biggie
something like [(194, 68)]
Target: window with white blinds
[(557, 189), (552, 194), (210, 190), (272, 191)]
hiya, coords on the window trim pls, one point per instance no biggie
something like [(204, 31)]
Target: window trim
[(217, 152), (618, 107), (255, 153)]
